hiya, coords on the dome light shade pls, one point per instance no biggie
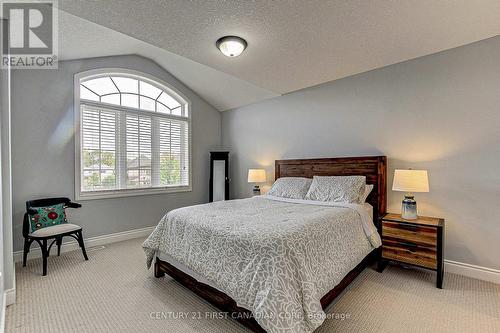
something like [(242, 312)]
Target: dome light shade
[(231, 46)]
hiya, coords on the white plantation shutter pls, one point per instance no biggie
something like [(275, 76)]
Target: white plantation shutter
[(124, 148), (137, 151), (98, 149), (172, 151)]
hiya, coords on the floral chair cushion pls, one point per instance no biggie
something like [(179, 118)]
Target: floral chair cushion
[(48, 216)]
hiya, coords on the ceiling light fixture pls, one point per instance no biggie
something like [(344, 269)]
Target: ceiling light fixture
[(231, 46)]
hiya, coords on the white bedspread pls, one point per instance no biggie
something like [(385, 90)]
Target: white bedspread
[(276, 257)]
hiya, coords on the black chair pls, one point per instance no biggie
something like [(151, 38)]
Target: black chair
[(56, 232)]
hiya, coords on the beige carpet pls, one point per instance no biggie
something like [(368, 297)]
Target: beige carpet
[(113, 292)]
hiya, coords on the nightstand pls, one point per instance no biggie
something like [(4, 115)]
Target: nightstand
[(417, 242)]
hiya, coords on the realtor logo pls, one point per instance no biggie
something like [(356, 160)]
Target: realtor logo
[(29, 34)]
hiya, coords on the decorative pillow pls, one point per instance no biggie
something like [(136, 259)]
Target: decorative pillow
[(368, 189), (48, 216), (337, 189), (290, 187)]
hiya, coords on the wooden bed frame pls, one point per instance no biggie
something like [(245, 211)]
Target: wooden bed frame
[(375, 170)]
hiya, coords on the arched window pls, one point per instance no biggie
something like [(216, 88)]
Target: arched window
[(133, 135)]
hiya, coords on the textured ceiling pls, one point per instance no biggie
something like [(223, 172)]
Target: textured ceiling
[(296, 44), (79, 38)]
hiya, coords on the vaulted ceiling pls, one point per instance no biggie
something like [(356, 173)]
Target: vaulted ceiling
[(291, 44), (79, 38)]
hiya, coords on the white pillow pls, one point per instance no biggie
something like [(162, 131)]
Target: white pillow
[(368, 189), (290, 187), (337, 189)]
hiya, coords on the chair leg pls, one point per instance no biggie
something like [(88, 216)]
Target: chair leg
[(59, 242), (82, 245), (27, 245), (44, 256)]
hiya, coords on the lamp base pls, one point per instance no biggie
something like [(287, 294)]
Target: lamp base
[(256, 190), (409, 208)]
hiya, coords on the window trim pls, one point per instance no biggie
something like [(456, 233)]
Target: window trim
[(117, 193)]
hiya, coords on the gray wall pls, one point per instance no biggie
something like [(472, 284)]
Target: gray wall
[(44, 154), (440, 112)]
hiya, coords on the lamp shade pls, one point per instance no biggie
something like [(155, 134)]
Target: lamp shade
[(410, 181), (256, 175)]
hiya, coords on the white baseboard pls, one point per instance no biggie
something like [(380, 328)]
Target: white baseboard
[(2, 313), (472, 271), (10, 296), (90, 242)]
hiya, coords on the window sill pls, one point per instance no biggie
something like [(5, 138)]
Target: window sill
[(83, 196)]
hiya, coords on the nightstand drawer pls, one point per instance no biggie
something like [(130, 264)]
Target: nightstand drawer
[(405, 256), (409, 252), (420, 235)]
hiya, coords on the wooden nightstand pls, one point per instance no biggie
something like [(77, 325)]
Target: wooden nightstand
[(417, 242)]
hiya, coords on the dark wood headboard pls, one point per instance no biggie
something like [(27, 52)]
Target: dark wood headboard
[(373, 167)]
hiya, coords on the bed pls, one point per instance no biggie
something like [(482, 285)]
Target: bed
[(274, 264)]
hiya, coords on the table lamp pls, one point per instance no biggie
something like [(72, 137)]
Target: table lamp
[(410, 181), (256, 176)]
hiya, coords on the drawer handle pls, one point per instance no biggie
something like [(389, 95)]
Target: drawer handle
[(408, 227), (412, 247)]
